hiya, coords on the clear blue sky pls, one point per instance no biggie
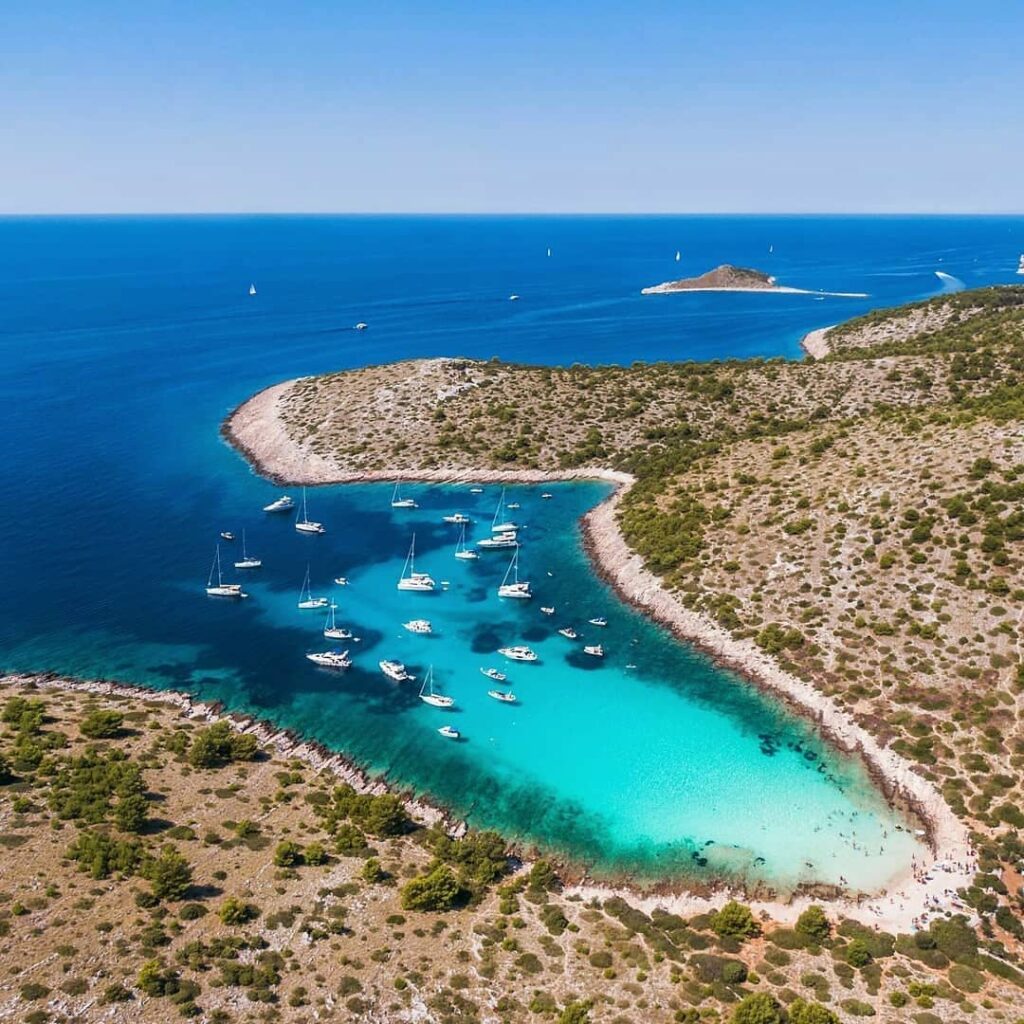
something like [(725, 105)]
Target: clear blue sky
[(875, 105)]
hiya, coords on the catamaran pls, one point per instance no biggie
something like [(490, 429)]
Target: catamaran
[(420, 582), (518, 653), (305, 524), (514, 589), (395, 670), (420, 626), (331, 628), (306, 599), (457, 518), (247, 561), (427, 695), (397, 501), (282, 504), (449, 732), (505, 696), (222, 589), (463, 552), (500, 540), (330, 659), (507, 527), (596, 650), (493, 673)]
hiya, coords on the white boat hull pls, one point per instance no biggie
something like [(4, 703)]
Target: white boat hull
[(225, 591), (310, 528), (316, 602), (436, 700), (416, 586), (249, 563), (519, 591)]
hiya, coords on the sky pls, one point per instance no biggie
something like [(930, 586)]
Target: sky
[(350, 106)]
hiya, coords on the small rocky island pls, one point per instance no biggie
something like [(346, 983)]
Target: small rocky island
[(724, 278)]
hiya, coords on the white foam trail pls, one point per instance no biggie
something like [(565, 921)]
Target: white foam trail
[(949, 282)]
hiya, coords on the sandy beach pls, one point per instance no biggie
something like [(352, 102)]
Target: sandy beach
[(670, 288), (815, 343)]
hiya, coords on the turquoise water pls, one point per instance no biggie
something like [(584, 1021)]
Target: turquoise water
[(125, 342)]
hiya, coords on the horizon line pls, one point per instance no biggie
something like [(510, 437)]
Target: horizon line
[(5, 215)]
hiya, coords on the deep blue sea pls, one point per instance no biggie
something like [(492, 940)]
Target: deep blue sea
[(125, 341)]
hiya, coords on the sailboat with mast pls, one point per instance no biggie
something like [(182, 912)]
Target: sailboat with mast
[(397, 501), (419, 582), (427, 695), (247, 561), (221, 589), (505, 527), (516, 588), (307, 601), (332, 631), (462, 552), (305, 524)]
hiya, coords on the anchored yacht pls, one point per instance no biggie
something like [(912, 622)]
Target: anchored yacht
[(395, 670), (518, 653), (221, 589), (307, 601), (410, 579), (493, 673), (330, 659), (505, 696), (450, 732), (282, 504), (305, 524), (515, 589), (332, 631), (420, 626), (247, 561), (427, 695)]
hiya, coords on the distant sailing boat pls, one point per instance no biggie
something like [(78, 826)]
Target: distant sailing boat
[(514, 589), (506, 527), (397, 501), (461, 551), (771, 249), (410, 578), (1020, 264), (332, 630), (221, 589), (427, 695), (305, 524), (679, 255), (549, 250), (246, 561), (306, 598), (252, 289)]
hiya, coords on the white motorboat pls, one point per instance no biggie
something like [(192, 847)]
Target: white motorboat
[(569, 633), (476, 490), (546, 496), (221, 589), (252, 289), (449, 732), (501, 540), (332, 631), (457, 518), (516, 589), (307, 601), (520, 652), (512, 505), (493, 673), (505, 696), (547, 610), (227, 535), (420, 626), (397, 501), (330, 659), (513, 297), (410, 579), (305, 524), (1020, 264), (599, 620), (427, 695), (466, 554), (361, 326), (342, 581), (395, 670), (595, 650), (282, 504), (247, 561)]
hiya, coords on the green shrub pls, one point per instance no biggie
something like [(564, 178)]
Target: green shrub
[(758, 1008), (735, 921), (100, 724), (170, 874), (437, 890), (813, 925), (803, 1012)]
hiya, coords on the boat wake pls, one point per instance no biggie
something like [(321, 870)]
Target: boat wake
[(949, 282)]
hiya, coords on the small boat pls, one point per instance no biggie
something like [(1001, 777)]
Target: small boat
[(1020, 264), (247, 561), (501, 540), (516, 589), (547, 610), (598, 620), (546, 496), (549, 250), (505, 696), (395, 670), (569, 633), (513, 297), (221, 589), (282, 504), (461, 551), (307, 601), (420, 582), (679, 255), (330, 659), (420, 626), (771, 249), (397, 501), (595, 650), (305, 524), (227, 535), (458, 519), (476, 490), (450, 733), (518, 653), (342, 581), (512, 504), (332, 631), (427, 695), (252, 289), (361, 326), (493, 673)]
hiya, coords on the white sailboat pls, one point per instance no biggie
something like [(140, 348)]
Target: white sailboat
[(549, 250), (427, 695), (332, 631), (679, 255), (221, 589), (506, 527), (252, 289), (500, 540), (516, 588), (306, 599), (1020, 264), (282, 504), (247, 561), (461, 551), (410, 579), (305, 524), (397, 501), (330, 659)]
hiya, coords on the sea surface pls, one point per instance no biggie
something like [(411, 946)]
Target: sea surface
[(123, 344)]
